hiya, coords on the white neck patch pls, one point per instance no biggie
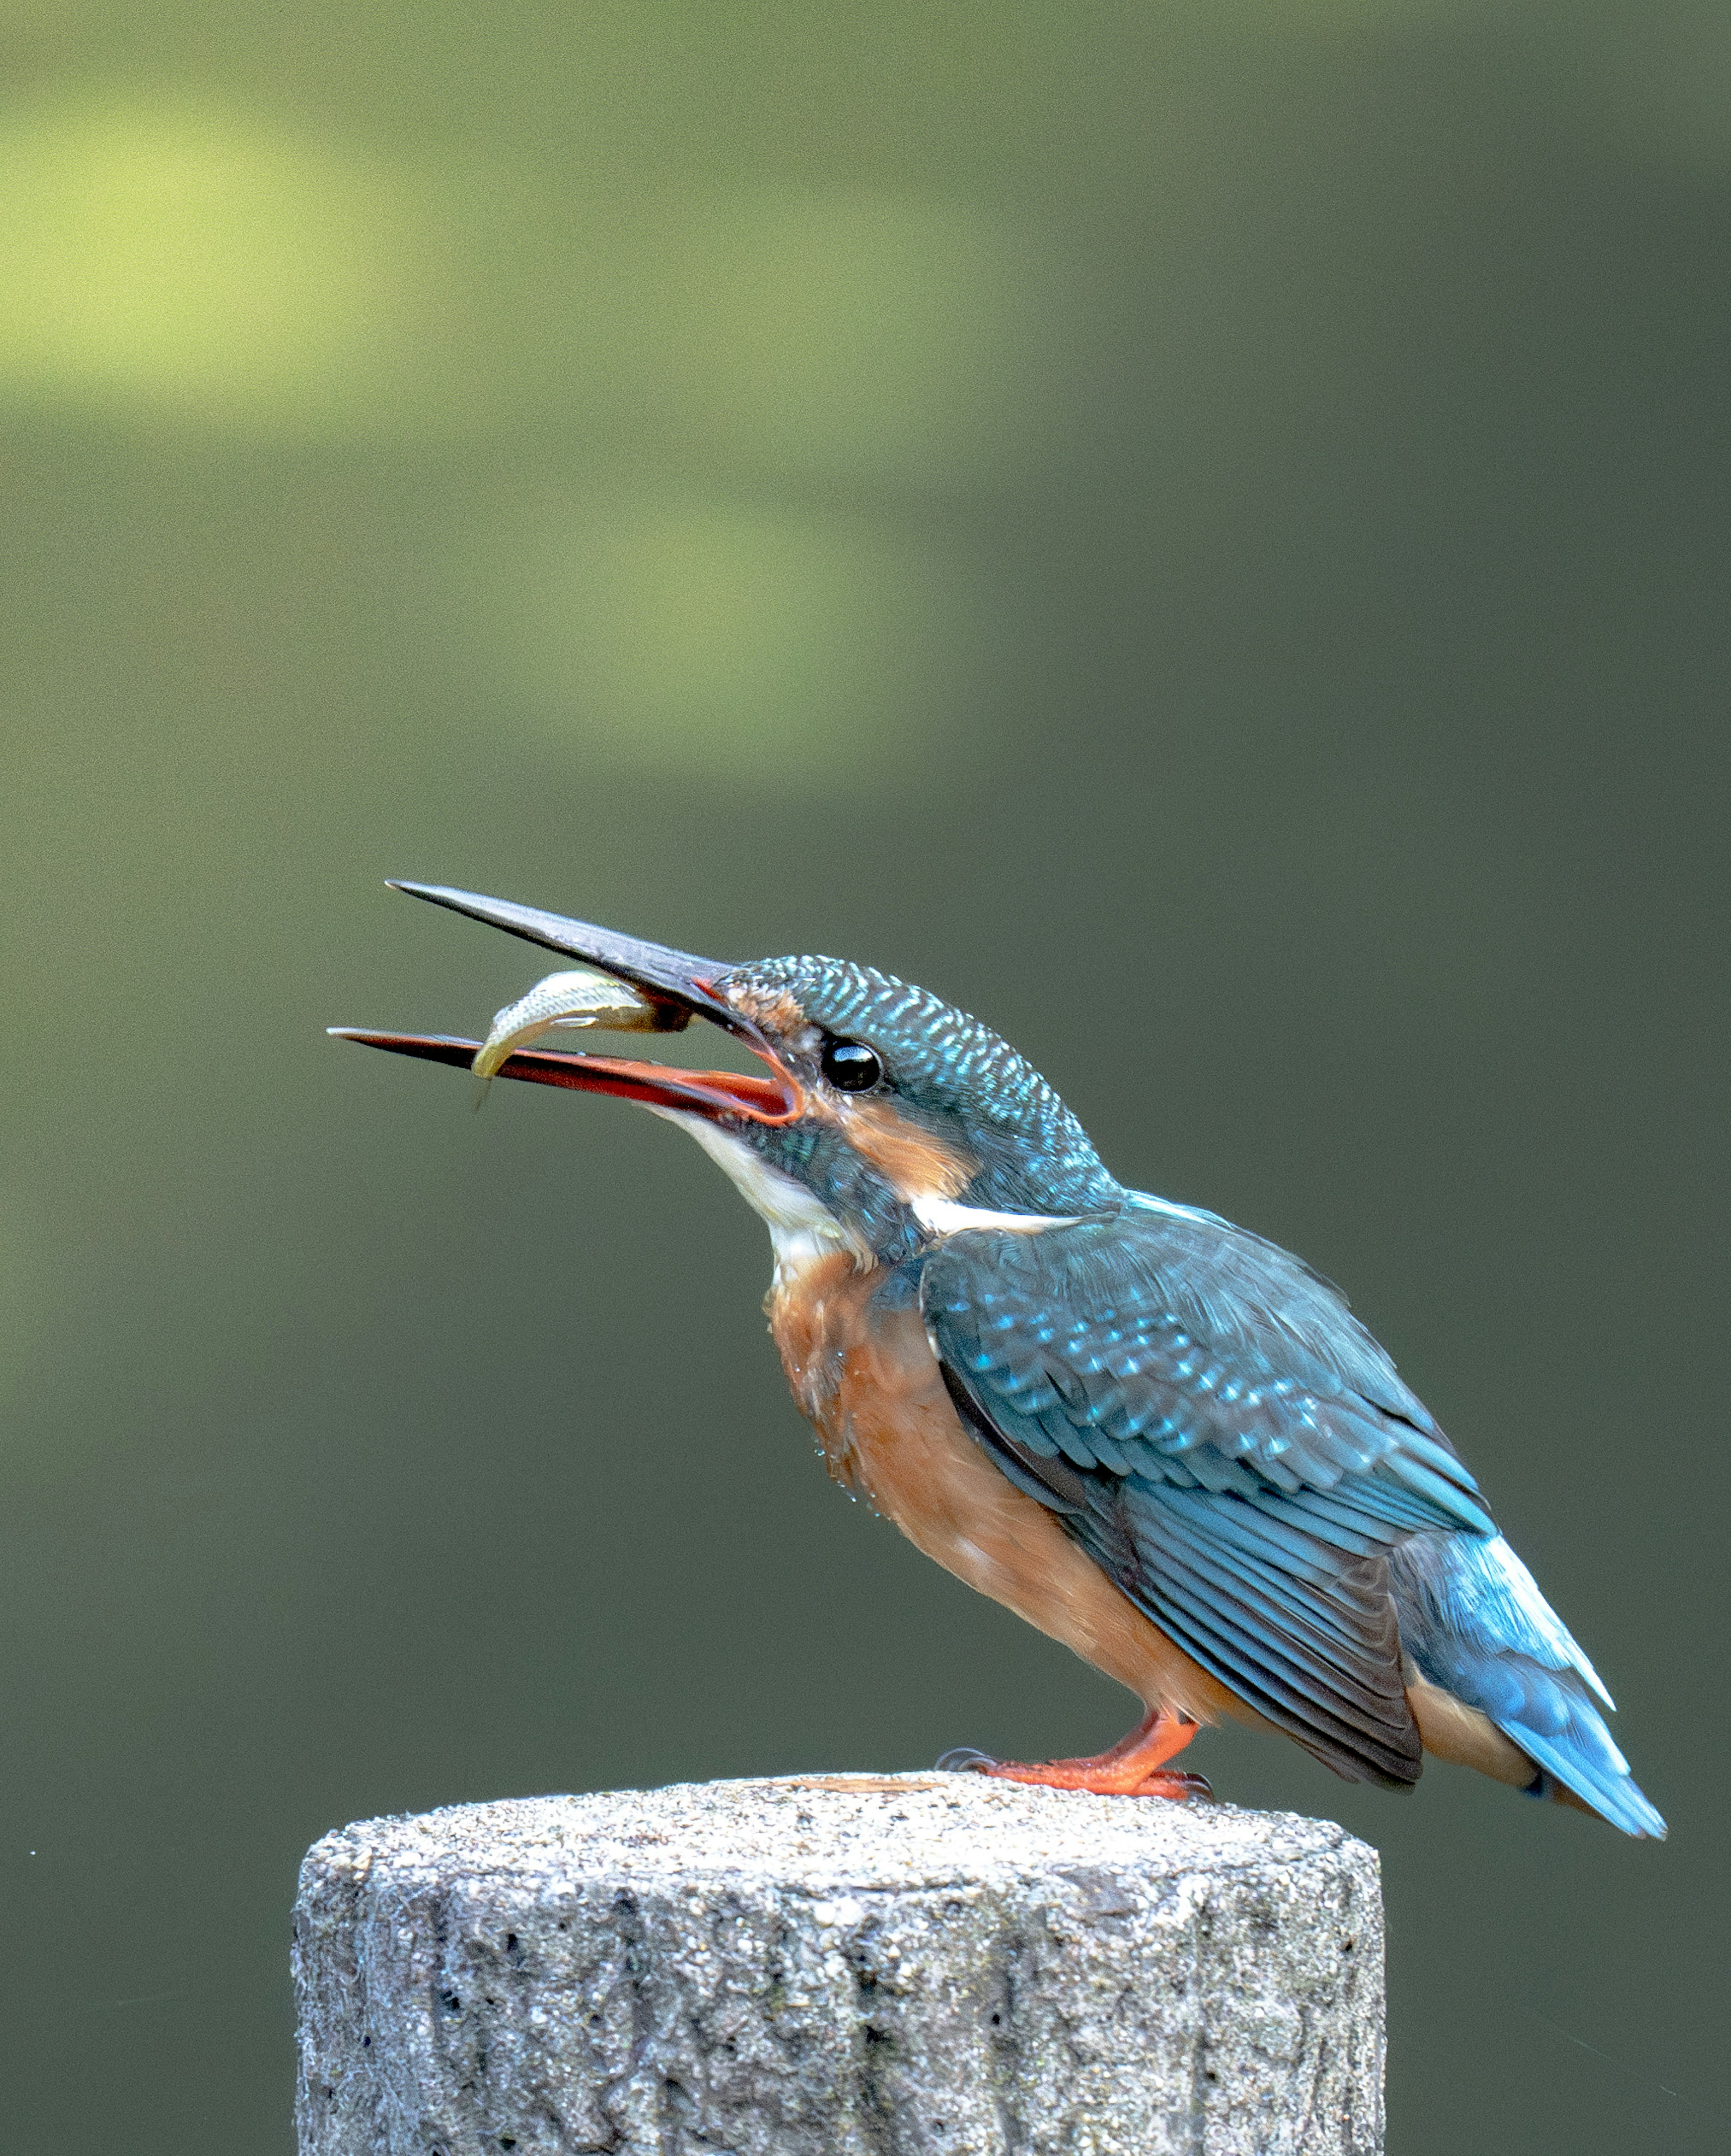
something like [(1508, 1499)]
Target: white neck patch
[(943, 1216)]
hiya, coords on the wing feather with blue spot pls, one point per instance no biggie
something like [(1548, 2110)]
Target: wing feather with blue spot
[(1212, 1424)]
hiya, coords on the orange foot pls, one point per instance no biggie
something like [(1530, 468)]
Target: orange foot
[(1133, 1767)]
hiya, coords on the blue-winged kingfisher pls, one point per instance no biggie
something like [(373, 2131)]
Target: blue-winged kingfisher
[(1156, 1436)]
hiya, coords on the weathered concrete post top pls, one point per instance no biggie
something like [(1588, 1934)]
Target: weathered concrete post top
[(846, 1965)]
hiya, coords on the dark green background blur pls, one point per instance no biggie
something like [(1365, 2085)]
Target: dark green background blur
[(1197, 530)]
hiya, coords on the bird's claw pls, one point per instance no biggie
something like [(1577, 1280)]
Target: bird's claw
[(1089, 1775)]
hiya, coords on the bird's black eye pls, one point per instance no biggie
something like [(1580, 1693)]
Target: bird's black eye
[(851, 1066)]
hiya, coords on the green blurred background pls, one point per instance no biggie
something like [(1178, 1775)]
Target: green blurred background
[(1197, 530)]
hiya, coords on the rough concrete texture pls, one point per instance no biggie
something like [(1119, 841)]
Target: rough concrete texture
[(843, 1965)]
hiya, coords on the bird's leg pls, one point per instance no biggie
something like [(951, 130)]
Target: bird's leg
[(1134, 1767)]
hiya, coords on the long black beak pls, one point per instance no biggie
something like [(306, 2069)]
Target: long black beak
[(674, 980), (680, 985)]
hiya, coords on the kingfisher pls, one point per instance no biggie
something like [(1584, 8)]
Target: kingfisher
[(1156, 1436)]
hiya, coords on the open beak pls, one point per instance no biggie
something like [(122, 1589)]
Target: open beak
[(666, 990)]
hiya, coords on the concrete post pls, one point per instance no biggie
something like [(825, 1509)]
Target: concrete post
[(840, 1965)]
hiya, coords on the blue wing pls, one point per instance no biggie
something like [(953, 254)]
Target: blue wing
[(1223, 1436)]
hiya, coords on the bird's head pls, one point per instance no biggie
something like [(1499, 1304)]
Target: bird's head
[(886, 1116)]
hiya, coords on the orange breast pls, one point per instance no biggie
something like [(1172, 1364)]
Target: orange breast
[(869, 1382)]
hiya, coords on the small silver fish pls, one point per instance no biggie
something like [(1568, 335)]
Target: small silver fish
[(577, 998)]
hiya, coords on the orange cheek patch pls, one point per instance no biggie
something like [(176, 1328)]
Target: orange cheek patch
[(913, 1163)]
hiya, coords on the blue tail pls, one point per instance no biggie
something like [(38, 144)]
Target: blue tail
[(1474, 1622)]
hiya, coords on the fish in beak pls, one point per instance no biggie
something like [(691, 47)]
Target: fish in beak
[(623, 985)]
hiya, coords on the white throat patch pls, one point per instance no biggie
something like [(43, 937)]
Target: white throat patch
[(803, 1230)]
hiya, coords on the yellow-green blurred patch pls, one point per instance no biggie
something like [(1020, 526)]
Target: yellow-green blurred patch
[(160, 254), (725, 638)]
